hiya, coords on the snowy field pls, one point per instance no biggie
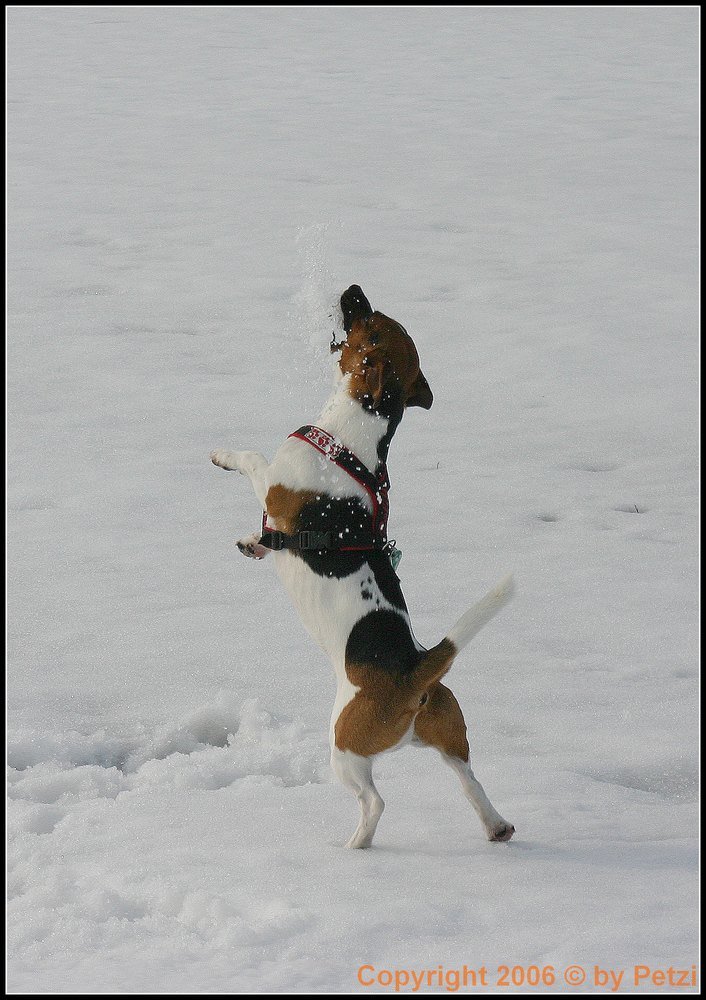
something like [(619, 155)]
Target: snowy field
[(190, 189)]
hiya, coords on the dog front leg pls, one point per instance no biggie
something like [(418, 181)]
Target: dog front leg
[(249, 463), (254, 466)]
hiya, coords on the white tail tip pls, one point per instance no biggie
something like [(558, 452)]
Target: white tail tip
[(481, 613)]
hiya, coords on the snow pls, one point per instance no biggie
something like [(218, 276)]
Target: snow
[(189, 191)]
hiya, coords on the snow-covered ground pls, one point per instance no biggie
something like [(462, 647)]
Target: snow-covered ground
[(190, 189)]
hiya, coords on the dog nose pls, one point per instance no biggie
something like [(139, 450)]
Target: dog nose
[(354, 306)]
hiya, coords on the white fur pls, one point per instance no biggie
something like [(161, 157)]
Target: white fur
[(357, 428), (356, 773)]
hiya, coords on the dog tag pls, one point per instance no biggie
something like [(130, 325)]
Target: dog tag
[(395, 556)]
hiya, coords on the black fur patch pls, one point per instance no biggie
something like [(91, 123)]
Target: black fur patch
[(382, 639), (350, 518)]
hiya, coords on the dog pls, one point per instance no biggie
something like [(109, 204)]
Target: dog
[(324, 502)]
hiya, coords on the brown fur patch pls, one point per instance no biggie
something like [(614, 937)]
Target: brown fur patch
[(378, 716), (284, 506), (382, 711), (441, 724)]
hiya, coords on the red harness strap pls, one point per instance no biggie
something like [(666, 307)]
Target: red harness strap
[(375, 485)]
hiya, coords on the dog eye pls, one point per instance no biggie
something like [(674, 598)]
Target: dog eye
[(424, 699), (374, 338)]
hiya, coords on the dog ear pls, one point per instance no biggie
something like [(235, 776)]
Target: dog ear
[(375, 379), (354, 305), (420, 394)]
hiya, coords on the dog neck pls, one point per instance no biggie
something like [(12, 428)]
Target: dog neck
[(364, 431)]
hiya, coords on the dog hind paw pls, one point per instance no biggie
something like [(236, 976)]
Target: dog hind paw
[(501, 833), (359, 842)]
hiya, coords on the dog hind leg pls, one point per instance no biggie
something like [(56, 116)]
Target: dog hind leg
[(441, 725), (356, 773), (496, 828)]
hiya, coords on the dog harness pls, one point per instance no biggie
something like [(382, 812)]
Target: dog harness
[(375, 485)]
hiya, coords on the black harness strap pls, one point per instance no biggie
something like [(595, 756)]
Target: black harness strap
[(376, 486)]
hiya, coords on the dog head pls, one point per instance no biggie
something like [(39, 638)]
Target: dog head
[(380, 356)]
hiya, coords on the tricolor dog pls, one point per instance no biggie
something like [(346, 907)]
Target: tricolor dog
[(324, 498)]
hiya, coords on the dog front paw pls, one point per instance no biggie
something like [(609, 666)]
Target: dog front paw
[(226, 460), (251, 548)]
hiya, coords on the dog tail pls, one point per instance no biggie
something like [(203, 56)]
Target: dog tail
[(438, 660), (470, 624)]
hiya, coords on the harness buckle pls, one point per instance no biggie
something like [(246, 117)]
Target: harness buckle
[(274, 540), (309, 540)]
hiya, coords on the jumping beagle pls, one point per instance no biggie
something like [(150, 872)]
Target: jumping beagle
[(324, 498)]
